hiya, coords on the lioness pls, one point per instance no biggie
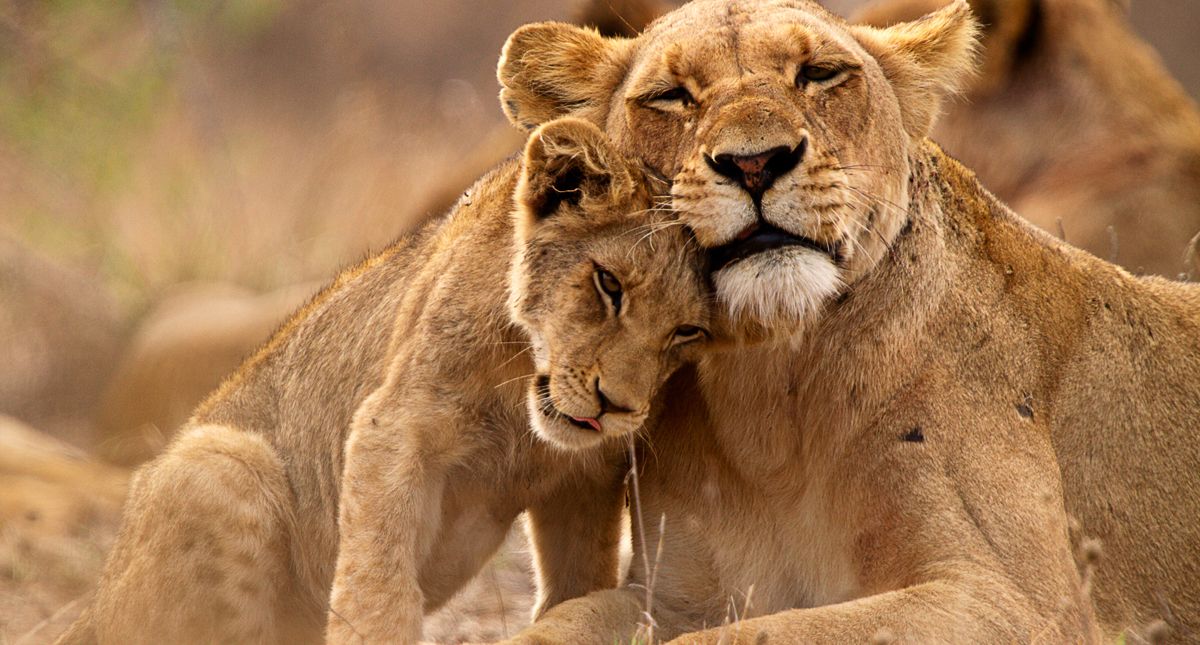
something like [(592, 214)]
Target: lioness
[(386, 427), (947, 385)]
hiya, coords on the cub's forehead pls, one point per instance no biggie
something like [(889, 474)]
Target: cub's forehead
[(709, 39), (658, 259)]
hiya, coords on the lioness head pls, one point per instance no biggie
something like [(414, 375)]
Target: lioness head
[(788, 132), (609, 288)]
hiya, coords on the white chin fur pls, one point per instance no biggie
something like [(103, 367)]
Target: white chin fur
[(791, 283)]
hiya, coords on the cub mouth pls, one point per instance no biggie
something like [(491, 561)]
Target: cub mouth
[(761, 238), (547, 408)]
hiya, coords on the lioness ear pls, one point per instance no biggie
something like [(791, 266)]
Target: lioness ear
[(566, 161), (926, 60), (550, 69)]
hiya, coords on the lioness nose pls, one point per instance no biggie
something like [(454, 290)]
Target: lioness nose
[(757, 173)]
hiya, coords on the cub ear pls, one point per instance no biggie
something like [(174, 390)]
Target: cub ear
[(925, 61), (551, 69), (566, 161), (624, 18)]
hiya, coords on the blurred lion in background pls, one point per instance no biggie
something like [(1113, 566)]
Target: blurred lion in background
[(1075, 117)]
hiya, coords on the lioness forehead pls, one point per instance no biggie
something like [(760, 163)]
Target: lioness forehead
[(705, 15), (710, 39)]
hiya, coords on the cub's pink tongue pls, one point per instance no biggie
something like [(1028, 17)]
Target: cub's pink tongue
[(592, 422)]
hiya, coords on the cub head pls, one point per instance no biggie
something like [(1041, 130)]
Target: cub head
[(788, 132), (609, 287)]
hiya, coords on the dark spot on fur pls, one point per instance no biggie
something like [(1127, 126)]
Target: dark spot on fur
[(33, 516), (1108, 306), (374, 421), (1025, 408), (916, 435)]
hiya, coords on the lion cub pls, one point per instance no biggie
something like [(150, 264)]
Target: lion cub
[(380, 446)]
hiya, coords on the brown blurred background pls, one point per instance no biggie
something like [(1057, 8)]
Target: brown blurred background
[(176, 175), (263, 142)]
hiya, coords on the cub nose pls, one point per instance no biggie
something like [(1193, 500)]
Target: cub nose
[(757, 173), (606, 404)]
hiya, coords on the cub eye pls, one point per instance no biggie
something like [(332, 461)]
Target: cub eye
[(816, 74), (609, 288), (678, 95), (689, 334)]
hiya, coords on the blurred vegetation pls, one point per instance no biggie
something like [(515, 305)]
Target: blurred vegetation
[(84, 86)]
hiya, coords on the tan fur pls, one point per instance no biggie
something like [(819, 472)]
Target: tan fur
[(904, 456), (1075, 118), (379, 445)]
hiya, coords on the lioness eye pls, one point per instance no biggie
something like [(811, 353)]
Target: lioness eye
[(676, 95), (816, 74), (609, 288), (688, 334)]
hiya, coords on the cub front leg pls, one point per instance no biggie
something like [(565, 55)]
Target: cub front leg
[(389, 514), (576, 534)]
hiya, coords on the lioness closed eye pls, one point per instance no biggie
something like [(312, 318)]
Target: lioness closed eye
[(380, 445)]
